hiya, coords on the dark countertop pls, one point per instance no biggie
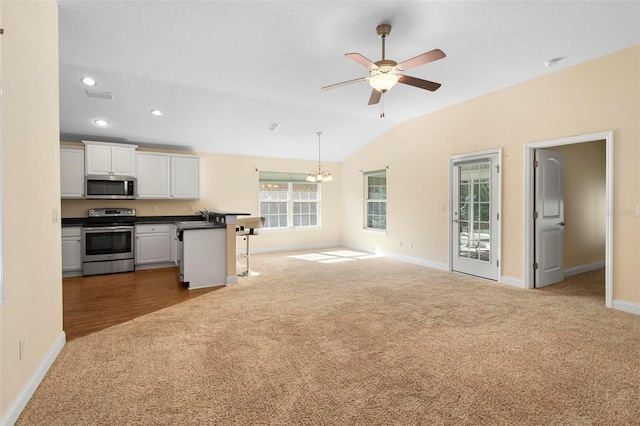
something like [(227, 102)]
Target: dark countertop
[(217, 216), (226, 213), (80, 221), (200, 225)]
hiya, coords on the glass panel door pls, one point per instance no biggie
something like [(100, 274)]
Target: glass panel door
[(474, 206), (475, 215)]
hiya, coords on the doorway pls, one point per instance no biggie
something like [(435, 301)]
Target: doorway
[(475, 214), (530, 231)]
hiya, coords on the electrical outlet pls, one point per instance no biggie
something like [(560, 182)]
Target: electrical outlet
[(54, 215), (23, 345), (192, 208), (154, 208), (400, 244), (410, 244)]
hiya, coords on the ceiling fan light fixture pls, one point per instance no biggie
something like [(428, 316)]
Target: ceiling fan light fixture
[(382, 80)]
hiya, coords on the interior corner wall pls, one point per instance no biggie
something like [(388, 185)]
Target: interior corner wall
[(32, 309), (595, 96)]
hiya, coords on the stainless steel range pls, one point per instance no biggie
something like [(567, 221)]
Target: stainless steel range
[(108, 241)]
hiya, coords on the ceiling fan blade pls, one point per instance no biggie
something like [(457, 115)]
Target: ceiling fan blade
[(375, 97), (418, 82), (344, 83), (425, 58), (361, 60)]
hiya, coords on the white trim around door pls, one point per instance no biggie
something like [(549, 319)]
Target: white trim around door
[(529, 253)]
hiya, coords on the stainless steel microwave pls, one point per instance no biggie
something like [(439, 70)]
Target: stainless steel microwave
[(110, 187)]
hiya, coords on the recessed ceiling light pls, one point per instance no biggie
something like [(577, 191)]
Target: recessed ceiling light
[(156, 112), (89, 81), (552, 62), (101, 123)]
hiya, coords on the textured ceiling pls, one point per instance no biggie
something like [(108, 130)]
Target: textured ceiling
[(221, 71)]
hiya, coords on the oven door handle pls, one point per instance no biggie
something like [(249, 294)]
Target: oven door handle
[(108, 228)]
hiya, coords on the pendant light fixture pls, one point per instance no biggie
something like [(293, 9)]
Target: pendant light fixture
[(319, 176)]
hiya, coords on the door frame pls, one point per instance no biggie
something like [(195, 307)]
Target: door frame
[(498, 234), (529, 253)]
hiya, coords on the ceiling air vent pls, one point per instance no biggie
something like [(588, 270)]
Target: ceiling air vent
[(272, 127), (100, 95)]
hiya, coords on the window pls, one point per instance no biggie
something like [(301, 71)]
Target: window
[(376, 199), (288, 201)]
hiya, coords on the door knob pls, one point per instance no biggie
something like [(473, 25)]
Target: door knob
[(561, 223)]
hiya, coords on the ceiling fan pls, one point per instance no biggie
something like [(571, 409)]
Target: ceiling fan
[(385, 73)]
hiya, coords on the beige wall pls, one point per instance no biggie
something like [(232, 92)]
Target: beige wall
[(584, 201), (32, 309), (230, 183), (599, 95)]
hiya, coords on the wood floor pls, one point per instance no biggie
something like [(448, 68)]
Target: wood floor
[(94, 303)]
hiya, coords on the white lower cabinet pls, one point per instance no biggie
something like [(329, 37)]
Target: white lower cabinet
[(153, 244), (71, 249)]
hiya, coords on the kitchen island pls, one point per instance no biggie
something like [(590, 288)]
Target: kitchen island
[(202, 254), (206, 250)]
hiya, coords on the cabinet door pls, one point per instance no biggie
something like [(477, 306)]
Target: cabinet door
[(174, 243), (71, 249), (153, 248), (122, 160), (185, 177), (71, 173), (97, 160), (153, 176)]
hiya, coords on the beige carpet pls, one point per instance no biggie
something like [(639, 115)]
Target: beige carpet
[(358, 342)]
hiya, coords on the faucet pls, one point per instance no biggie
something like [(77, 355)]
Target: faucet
[(205, 214)]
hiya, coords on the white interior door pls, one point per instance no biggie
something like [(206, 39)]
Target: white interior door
[(475, 236), (549, 218)]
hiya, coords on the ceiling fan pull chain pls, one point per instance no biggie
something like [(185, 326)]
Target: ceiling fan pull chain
[(382, 106)]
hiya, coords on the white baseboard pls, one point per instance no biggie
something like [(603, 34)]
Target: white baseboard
[(512, 281), (155, 266), (13, 412), (290, 248), (416, 261), (232, 279), (623, 305), (583, 268)]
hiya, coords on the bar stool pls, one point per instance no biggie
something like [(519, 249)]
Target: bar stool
[(245, 228)]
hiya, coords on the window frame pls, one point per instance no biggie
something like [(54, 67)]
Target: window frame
[(290, 202), (366, 200)]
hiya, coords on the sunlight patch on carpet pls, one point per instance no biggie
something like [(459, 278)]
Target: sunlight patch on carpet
[(336, 260), (335, 256)]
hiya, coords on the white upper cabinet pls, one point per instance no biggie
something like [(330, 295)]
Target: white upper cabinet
[(105, 158), (71, 172), (153, 175), (185, 177)]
